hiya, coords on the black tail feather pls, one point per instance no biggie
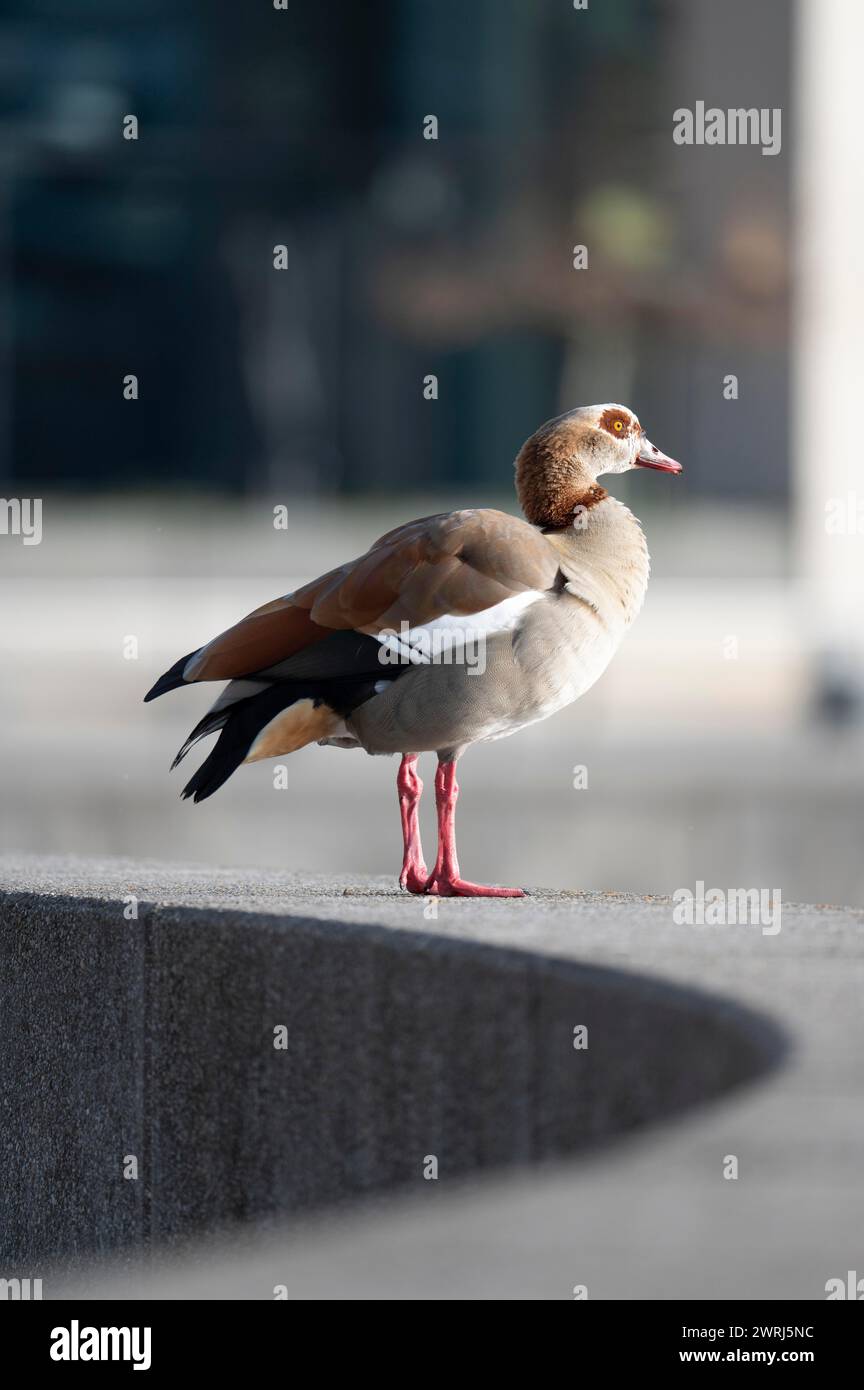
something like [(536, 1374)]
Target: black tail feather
[(171, 679), (217, 767), (240, 723), (341, 689), (213, 720)]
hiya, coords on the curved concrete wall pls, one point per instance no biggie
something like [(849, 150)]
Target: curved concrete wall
[(153, 1039)]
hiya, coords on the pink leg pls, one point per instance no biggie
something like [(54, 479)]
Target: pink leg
[(414, 872), (445, 879)]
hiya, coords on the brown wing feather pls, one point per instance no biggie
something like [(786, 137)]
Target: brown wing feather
[(454, 562), (458, 562), (269, 635)]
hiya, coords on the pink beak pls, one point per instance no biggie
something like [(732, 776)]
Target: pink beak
[(649, 456)]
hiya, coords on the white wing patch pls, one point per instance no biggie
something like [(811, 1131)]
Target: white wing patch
[(236, 690), (424, 644)]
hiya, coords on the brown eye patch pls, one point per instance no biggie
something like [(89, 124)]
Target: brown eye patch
[(617, 423)]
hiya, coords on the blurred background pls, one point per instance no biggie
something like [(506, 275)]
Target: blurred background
[(724, 743)]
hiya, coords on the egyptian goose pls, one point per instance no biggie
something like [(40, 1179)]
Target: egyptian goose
[(451, 630)]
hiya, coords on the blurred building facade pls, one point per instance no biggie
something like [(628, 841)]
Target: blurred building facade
[(407, 257)]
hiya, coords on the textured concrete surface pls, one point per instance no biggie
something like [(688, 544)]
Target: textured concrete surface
[(409, 1037)]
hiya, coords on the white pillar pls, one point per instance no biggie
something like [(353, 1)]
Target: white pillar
[(828, 392)]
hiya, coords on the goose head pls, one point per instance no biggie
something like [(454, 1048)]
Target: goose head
[(558, 467)]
